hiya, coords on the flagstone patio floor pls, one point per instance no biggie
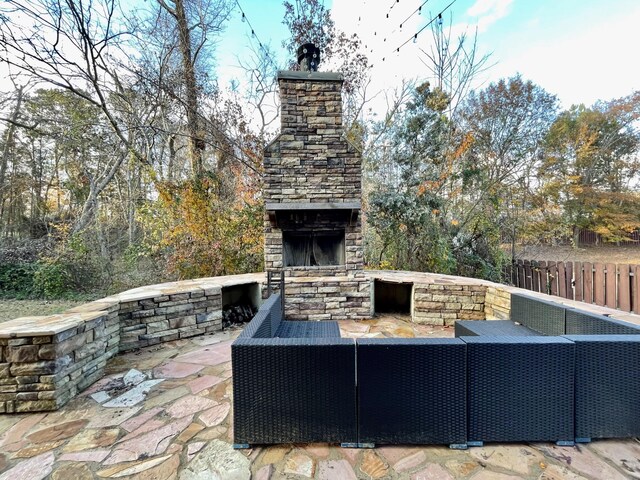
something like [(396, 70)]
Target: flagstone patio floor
[(164, 413)]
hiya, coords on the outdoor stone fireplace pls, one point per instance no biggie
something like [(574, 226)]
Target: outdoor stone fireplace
[(312, 197)]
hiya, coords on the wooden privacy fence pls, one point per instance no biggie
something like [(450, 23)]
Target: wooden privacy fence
[(606, 284)]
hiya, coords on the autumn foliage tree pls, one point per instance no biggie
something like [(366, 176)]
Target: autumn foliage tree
[(506, 123), (589, 175)]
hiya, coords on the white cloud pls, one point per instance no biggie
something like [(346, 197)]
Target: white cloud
[(489, 12)]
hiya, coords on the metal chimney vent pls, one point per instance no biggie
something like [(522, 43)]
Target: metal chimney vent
[(308, 57)]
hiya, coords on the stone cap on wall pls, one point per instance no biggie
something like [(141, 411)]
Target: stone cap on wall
[(41, 326), (310, 76), (46, 325)]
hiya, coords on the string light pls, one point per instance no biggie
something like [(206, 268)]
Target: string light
[(417, 10), (244, 19), (438, 17), (414, 37), (391, 7)]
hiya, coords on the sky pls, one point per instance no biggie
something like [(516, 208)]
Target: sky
[(579, 50)]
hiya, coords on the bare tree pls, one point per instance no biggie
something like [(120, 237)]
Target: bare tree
[(9, 140), (454, 63), (196, 22), (69, 45), (261, 95)]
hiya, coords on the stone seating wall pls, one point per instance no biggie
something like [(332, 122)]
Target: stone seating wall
[(438, 304), (42, 370), (46, 361)]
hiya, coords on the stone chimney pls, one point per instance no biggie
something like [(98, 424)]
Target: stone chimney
[(312, 191)]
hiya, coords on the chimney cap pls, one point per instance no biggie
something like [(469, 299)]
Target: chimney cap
[(308, 57)]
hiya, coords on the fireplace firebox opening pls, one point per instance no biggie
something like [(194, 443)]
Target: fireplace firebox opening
[(314, 249), (392, 297)]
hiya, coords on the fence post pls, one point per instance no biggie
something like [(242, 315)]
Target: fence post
[(587, 269), (577, 275), (520, 266), (562, 280), (553, 279), (535, 276), (611, 281), (636, 289), (568, 268), (598, 284), (527, 275), (624, 288)]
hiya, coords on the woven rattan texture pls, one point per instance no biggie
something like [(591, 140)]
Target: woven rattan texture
[(411, 391), (544, 317), (294, 390), (584, 323), (259, 326), (266, 320), (307, 329), (520, 389), (607, 386), (472, 328)]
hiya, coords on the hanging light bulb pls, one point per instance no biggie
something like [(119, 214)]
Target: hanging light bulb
[(415, 38), (243, 18), (440, 19), (420, 10)]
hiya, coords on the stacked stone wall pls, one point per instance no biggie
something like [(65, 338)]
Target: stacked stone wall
[(438, 304), (43, 372), (311, 161), (45, 361), (169, 316), (497, 304), (328, 299)]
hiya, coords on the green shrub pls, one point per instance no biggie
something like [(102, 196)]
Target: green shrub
[(16, 280), (53, 279)]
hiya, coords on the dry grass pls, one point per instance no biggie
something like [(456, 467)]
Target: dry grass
[(595, 254), (10, 309)]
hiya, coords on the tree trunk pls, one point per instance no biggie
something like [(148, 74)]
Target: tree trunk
[(8, 145), (191, 89)]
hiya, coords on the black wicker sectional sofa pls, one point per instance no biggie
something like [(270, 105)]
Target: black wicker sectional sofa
[(552, 373)]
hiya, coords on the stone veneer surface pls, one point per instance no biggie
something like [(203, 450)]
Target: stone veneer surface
[(181, 314), (438, 304), (497, 303), (45, 361), (328, 298), (311, 161), (43, 372), (312, 178)]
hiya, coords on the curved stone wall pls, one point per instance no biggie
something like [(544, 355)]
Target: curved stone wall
[(46, 361)]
